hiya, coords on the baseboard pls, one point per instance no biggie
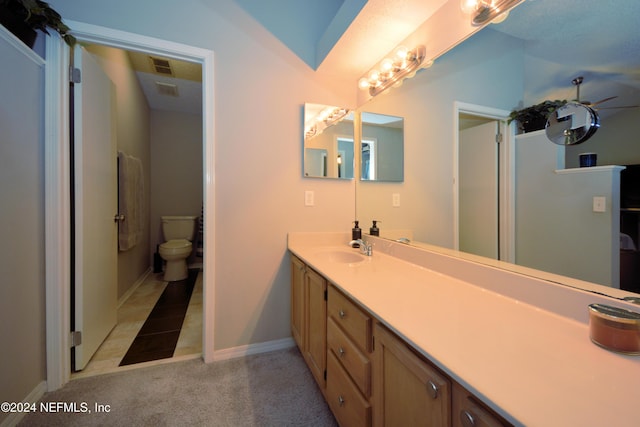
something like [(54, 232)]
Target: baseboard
[(246, 350), (32, 398), (133, 287)]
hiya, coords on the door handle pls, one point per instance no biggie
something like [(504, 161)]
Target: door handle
[(118, 218)]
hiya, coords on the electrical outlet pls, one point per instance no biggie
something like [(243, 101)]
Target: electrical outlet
[(309, 198), (599, 204), (395, 200)]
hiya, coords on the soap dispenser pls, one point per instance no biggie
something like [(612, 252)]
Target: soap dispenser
[(356, 234), (374, 230)]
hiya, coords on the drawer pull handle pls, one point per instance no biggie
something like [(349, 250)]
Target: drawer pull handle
[(341, 351), (341, 313), (340, 400), (467, 419), (432, 388)]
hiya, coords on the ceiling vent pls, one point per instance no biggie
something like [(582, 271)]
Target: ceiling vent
[(161, 66), (167, 89)]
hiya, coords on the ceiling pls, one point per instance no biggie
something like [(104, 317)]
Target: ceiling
[(566, 35)]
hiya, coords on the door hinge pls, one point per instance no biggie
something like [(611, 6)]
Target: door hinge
[(75, 75), (325, 374), (75, 338), (325, 295), (498, 138)]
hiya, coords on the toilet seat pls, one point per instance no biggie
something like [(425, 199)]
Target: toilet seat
[(175, 246)]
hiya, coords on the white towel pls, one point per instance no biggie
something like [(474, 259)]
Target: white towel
[(130, 201), (626, 242)]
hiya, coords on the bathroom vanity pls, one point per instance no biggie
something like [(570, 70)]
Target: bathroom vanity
[(410, 336)]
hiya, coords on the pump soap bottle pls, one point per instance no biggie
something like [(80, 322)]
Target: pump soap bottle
[(356, 234), (374, 230)]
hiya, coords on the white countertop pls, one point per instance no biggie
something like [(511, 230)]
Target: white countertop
[(503, 336)]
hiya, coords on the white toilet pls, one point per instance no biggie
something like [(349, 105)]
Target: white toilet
[(178, 232)]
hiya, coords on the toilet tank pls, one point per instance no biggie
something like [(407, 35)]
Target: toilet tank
[(178, 227)]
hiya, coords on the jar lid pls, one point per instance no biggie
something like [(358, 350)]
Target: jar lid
[(615, 313)]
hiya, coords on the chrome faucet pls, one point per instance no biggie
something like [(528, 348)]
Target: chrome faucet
[(365, 248)]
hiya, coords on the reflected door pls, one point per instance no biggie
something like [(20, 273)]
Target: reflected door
[(478, 190)]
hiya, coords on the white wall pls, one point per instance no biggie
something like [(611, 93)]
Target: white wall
[(133, 135), (260, 91), (22, 263), (176, 168), (556, 228)]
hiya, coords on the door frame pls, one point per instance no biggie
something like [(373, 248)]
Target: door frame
[(506, 176), (57, 184)]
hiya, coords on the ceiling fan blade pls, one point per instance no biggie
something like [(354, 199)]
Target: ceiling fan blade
[(615, 108), (602, 100)]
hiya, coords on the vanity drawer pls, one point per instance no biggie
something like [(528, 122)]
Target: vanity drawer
[(346, 402), (353, 321), (352, 359)]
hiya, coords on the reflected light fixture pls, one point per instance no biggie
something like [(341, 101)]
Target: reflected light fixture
[(483, 11), (324, 119), (391, 71)]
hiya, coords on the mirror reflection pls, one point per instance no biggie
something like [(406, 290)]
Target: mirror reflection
[(328, 142), (530, 57), (382, 148)]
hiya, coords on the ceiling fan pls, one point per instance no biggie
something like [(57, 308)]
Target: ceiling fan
[(578, 81), (576, 121)]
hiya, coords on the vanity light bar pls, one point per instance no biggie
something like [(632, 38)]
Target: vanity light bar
[(392, 71), (324, 119), (483, 11)]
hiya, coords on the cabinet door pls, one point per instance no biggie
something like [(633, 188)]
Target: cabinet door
[(316, 325), (468, 412), (408, 391), (297, 301)]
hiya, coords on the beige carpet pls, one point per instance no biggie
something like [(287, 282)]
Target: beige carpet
[(268, 389)]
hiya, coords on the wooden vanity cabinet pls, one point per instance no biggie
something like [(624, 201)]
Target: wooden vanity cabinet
[(316, 325), (369, 375), (349, 346), (297, 301), (309, 317), (408, 390), (467, 411)]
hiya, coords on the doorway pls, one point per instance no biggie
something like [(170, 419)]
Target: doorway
[(158, 134), (483, 182), (57, 185)]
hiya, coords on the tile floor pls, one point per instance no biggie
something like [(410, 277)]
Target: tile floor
[(132, 315)]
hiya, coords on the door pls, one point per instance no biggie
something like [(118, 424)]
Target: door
[(478, 190), (94, 302)]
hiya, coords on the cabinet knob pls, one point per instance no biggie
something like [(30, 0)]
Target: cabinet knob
[(467, 419), (432, 389), (341, 351), (340, 400), (341, 313)]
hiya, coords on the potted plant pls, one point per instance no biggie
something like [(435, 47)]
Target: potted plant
[(535, 117), (24, 17)]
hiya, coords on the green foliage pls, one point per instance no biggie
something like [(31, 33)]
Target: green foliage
[(38, 15), (536, 112)]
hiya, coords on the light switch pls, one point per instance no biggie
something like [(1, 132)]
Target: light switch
[(395, 200), (599, 204), (308, 198)]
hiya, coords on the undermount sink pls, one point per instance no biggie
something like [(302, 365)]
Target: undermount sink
[(342, 256)]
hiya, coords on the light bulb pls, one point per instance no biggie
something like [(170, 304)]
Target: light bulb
[(363, 83), (468, 6), (374, 75), (387, 65), (402, 52)]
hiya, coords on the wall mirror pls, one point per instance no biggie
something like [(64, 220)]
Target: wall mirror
[(328, 142), (530, 57), (382, 148)]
